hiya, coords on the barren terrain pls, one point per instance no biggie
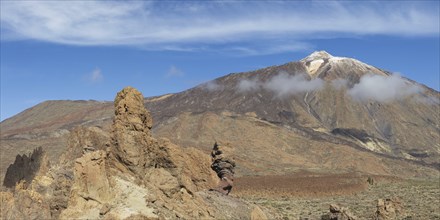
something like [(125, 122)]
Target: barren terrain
[(308, 196)]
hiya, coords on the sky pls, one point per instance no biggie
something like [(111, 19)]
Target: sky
[(87, 50)]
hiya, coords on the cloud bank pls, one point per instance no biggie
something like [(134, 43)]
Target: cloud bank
[(211, 86), (383, 89), (282, 85), (246, 85), (212, 25), (370, 87)]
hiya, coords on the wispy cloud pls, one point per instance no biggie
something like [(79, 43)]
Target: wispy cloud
[(339, 83), (248, 85), (174, 72), (370, 87), (282, 84), (211, 86), (383, 88), (95, 76), (210, 25)]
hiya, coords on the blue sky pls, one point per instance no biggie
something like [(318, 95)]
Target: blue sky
[(90, 50)]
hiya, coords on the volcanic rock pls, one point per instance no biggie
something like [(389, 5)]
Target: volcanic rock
[(161, 180), (223, 164), (389, 209), (81, 141), (26, 167), (258, 214), (23, 203), (131, 127), (338, 213)]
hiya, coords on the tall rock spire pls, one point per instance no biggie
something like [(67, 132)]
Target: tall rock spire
[(131, 127)]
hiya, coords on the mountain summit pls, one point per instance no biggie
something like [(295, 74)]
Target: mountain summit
[(321, 64), (317, 55)]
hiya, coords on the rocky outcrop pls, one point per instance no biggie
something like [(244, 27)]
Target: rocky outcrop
[(129, 174), (91, 181), (223, 164), (338, 213), (258, 214), (139, 176), (81, 141), (26, 167), (389, 209), (133, 146), (23, 203), (131, 128)]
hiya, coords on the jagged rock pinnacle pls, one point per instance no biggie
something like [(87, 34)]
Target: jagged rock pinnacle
[(130, 111)]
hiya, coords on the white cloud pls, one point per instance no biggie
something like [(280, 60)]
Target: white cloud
[(339, 83), (247, 85), (211, 86), (382, 88), (283, 84), (209, 25), (95, 76), (174, 72)]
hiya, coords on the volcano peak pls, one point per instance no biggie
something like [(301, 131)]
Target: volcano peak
[(318, 55)]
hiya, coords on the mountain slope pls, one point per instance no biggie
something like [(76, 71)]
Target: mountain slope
[(402, 128), (309, 114)]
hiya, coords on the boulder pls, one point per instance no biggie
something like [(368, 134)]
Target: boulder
[(389, 209)]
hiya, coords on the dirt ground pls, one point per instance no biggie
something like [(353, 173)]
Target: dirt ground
[(308, 196)]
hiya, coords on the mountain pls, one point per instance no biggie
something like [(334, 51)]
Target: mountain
[(322, 113)]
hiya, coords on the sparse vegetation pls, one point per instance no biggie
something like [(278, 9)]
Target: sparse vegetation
[(420, 200)]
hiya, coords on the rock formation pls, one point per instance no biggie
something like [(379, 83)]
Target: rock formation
[(151, 174), (127, 174), (47, 194), (338, 213), (131, 128), (26, 167), (23, 203), (389, 209), (223, 164), (83, 140)]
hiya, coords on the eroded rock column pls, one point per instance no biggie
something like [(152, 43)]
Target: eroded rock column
[(131, 127)]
